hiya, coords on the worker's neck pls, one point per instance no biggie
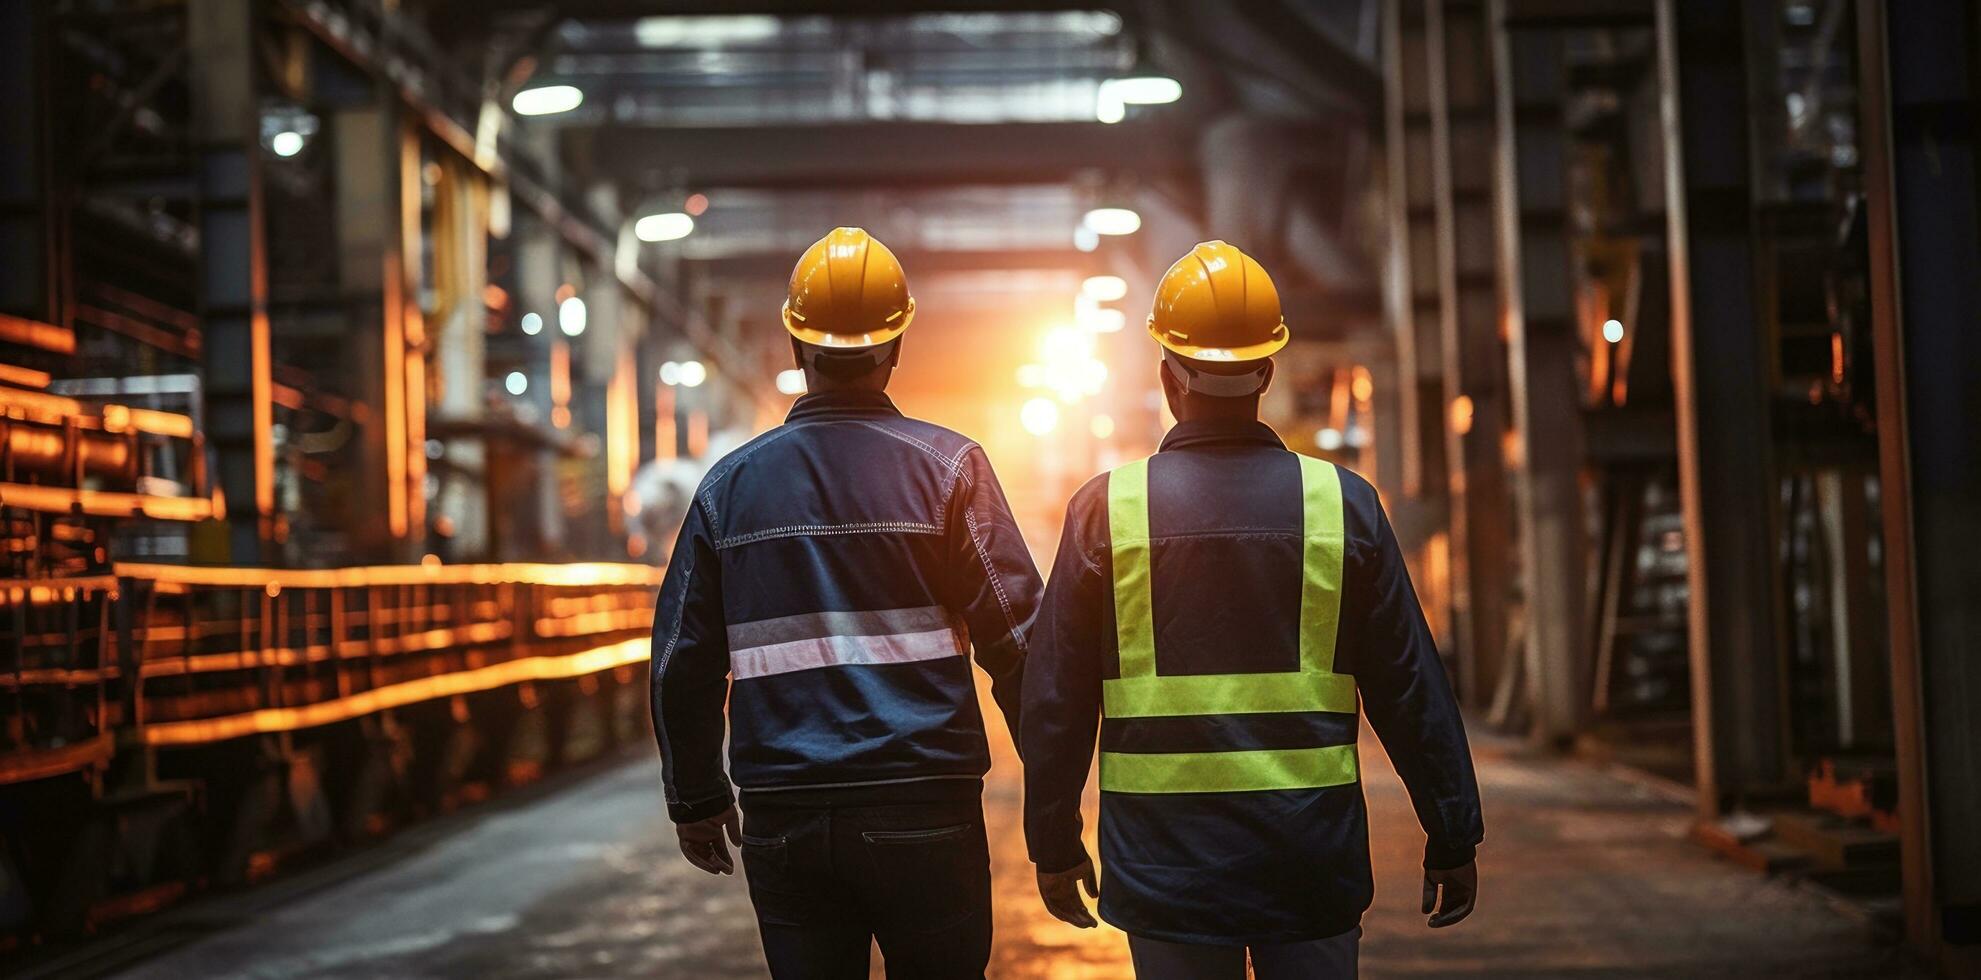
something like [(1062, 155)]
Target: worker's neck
[(1204, 408), (819, 385)]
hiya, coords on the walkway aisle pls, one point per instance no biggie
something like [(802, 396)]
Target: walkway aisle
[(1585, 874)]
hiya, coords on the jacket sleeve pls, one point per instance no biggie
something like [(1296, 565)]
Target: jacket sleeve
[(994, 584), (1063, 703), (691, 677), (1410, 705)]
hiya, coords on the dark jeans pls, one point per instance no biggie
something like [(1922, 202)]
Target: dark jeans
[(827, 880), (1321, 959)]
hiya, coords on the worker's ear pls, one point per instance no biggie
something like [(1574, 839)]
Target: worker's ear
[(1172, 392)]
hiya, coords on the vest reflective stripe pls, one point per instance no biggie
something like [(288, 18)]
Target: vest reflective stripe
[(1227, 772), (1128, 530), (1142, 693)]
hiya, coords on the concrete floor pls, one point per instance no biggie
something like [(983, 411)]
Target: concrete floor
[(1583, 874)]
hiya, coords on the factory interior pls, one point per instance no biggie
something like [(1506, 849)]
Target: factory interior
[(360, 359)]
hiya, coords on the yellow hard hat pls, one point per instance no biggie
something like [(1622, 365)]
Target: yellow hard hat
[(1218, 304), (848, 292)]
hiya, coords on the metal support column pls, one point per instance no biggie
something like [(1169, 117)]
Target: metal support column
[(1411, 281), (27, 280), (1921, 173), (1461, 89), (1538, 296), (1720, 380), (373, 177), (233, 270)]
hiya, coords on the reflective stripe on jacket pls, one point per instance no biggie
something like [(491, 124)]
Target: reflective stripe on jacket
[(827, 583), (1212, 614)]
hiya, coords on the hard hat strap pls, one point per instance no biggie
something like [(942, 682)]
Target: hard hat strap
[(1216, 385)]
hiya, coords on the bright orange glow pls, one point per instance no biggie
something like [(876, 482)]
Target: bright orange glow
[(1461, 414), (622, 436), (199, 731), (665, 442), (16, 375), (1363, 387), (583, 574), (105, 503)]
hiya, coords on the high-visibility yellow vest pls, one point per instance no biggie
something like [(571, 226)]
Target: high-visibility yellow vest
[(1140, 692)]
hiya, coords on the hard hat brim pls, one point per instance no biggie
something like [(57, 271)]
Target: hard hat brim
[(1195, 352), (847, 341)]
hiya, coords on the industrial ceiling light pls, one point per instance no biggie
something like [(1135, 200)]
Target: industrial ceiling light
[(571, 316), (791, 381), (286, 143), (532, 324), (1112, 221), (707, 31), (517, 382), (1104, 289), (667, 227), (693, 373), (1142, 84), (1039, 416), (546, 100), (1144, 89), (1613, 331)]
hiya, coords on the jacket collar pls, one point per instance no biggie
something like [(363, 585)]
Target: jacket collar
[(1207, 433), (836, 403)]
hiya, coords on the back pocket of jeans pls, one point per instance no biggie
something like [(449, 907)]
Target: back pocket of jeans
[(914, 836), (927, 879)]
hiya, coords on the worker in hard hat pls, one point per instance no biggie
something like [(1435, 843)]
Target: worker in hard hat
[(827, 583), (1215, 610)]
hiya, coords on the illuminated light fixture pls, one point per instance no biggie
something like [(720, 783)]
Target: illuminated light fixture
[(287, 143), (1357, 436), (1102, 426), (517, 382), (670, 373), (791, 381), (1108, 108), (1104, 289), (1095, 318), (571, 316), (532, 324), (695, 204), (707, 31), (693, 373), (1461, 414), (1328, 439), (1039, 416), (1112, 221), (547, 100), (1115, 95), (1085, 239), (1144, 89), (672, 226), (1613, 331), (1362, 385)]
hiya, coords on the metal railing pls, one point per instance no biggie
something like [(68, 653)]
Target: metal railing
[(175, 655)]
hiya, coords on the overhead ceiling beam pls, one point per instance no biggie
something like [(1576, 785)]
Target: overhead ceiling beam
[(633, 9), (772, 266), (883, 154)]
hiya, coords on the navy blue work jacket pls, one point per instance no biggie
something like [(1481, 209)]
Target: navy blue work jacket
[(828, 583), (1272, 866)]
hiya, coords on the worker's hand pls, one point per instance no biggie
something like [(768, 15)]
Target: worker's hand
[(701, 841), (1461, 889), (1061, 891)]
